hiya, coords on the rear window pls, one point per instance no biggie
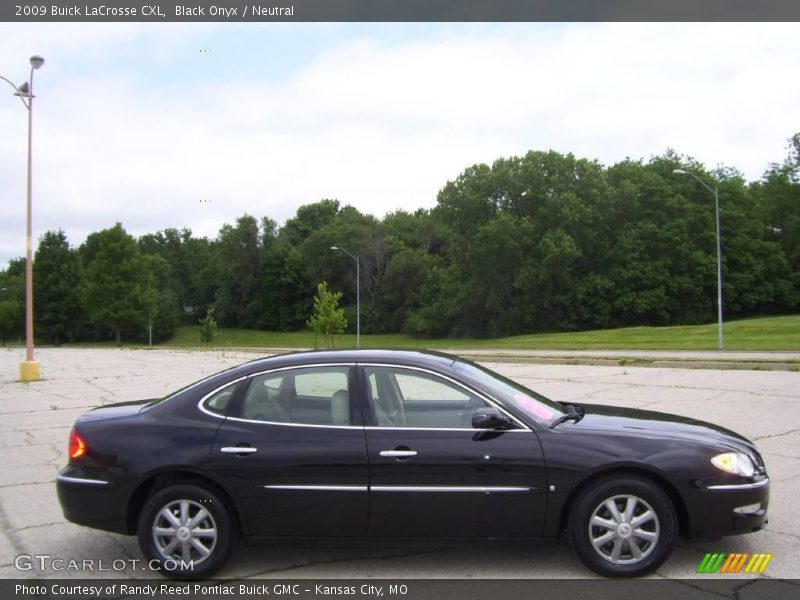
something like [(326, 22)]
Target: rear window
[(219, 401), (300, 396)]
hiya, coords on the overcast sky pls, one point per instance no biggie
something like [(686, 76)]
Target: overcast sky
[(173, 125)]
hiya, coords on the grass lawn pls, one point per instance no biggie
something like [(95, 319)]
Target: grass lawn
[(769, 333)]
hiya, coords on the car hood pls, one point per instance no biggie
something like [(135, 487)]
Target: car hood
[(109, 411), (648, 422)]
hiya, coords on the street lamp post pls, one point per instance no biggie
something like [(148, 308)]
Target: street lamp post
[(358, 293), (715, 191), (29, 369)]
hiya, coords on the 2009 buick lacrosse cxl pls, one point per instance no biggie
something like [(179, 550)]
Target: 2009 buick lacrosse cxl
[(378, 443)]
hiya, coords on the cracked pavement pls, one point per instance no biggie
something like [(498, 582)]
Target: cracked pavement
[(35, 420)]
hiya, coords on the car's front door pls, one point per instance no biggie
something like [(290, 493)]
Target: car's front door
[(432, 474), (292, 452)]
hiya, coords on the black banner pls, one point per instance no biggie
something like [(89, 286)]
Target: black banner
[(397, 10), (399, 589)]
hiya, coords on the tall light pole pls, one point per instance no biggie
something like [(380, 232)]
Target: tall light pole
[(715, 191), (358, 293), (29, 369)]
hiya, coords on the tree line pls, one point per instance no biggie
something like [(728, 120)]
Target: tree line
[(541, 242)]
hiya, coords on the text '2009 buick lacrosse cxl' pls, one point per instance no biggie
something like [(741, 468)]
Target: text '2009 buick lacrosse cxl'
[(379, 444)]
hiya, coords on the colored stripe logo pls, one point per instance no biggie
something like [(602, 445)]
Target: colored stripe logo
[(737, 562)]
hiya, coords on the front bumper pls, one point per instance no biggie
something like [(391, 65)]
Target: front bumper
[(89, 500), (730, 509)]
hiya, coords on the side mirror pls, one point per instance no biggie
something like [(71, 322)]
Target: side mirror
[(490, 418)]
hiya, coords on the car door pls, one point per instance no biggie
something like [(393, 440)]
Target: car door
[(292, 451), (432, 474)]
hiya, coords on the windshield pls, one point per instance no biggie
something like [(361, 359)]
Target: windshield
[(536, 406)]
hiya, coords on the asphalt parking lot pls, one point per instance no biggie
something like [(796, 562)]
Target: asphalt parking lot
[(35, 420)]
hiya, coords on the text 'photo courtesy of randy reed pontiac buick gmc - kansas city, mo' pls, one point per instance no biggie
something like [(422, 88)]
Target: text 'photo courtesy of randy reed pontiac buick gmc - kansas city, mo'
[(401, 444)]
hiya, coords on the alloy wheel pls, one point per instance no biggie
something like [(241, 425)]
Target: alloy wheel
[(624, 529), (183, 530)]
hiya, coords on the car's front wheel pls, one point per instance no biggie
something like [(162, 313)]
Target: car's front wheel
[(624, 527), (187, 531)]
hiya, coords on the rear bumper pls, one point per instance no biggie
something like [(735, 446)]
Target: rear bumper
[(89, 500), (721, 510)]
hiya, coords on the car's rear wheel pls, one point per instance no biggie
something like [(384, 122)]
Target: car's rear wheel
[(624, 527), (187, 531)]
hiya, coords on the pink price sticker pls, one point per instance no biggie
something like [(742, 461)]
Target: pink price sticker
[(530, 405)]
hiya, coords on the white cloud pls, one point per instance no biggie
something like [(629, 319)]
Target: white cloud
[(378, 125)]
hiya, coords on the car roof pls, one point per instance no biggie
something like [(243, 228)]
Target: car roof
[(418, 358)]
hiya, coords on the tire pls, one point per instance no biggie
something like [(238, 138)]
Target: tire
[(187, 531), (633, 540)]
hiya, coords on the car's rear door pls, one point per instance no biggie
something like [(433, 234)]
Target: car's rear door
[(432, 474), (292, 451)]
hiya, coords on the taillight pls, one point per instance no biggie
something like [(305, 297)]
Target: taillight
[(77, 445)]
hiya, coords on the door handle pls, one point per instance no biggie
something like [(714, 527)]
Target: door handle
[(398, 453), (238, 450)]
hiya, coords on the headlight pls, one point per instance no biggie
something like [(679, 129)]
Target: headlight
[(734, 462)]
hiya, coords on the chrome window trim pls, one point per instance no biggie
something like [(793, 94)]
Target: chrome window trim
[(473, 429), (740, 486), (309, 366), (371, 427), (201, 403), (491, 401), (243, 377), (85, 480), (295, 367), (523, 427), (241, 420)]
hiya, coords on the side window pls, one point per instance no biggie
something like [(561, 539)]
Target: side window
[(306, 396), (219, 400), (407, 398)]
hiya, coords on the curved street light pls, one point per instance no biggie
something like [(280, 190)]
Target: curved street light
[(715, 191), (29, 369), (358, 292)]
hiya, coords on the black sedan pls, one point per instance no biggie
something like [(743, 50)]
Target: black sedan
[(393, 444)]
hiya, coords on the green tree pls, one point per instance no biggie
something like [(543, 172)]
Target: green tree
[(308, 219), (777, 198), (327, 319), (283, 298), (57, 283), (165, 311), (363, 236), (540, 242), (193, 276), (120, 288), (521, 234), (401, 293), (238, 257), (660, 268), (208, 328), (12, 300)]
